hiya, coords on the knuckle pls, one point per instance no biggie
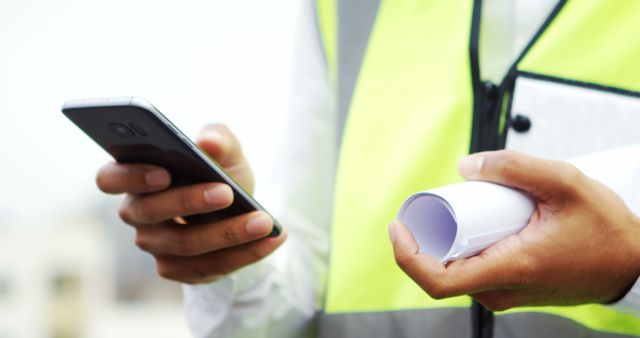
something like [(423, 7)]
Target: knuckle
[(438, 290), (183, 245), (231, 235), (143, 210), (142, 241), (124, 212), (404, 262), (570, 177), (186, 201)]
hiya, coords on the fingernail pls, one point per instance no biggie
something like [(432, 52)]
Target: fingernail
[(470, 165), (217, 195), (392, 231), (157, 178), (259, 225)]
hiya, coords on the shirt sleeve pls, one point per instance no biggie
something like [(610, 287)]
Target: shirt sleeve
[(281, 295)]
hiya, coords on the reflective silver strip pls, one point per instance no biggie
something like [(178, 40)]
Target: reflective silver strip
[(437, 323), (449, 323), (355, 22), (355, 19)]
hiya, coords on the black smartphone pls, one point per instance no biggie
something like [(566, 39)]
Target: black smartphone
[(134, 131)]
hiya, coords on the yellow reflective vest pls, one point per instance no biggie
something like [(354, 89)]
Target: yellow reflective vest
[(416, 105)]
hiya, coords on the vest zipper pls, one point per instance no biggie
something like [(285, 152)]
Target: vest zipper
[(485, 97), (486, 105), (486, 133)]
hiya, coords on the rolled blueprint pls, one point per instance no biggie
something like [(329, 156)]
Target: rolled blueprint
[(461, 220)]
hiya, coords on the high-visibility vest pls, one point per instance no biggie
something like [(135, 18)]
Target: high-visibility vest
[(414, 104)]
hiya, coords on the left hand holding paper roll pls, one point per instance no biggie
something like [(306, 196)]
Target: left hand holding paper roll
[(582, 244)]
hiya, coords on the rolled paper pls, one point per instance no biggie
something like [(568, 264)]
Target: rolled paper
[(460, 220)]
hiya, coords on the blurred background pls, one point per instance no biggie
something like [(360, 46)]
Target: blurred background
[(68, 266)]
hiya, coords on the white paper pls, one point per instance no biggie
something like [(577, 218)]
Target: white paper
[(461, 220)]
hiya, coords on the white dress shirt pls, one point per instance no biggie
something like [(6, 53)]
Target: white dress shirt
[(281, 295)]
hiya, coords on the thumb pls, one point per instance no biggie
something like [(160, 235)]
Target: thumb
[(220, 143), (536, 176)]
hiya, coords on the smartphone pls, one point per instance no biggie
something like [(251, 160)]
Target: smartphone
[(132, 130)]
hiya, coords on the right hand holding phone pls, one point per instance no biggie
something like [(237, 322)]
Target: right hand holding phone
[(192, 253)]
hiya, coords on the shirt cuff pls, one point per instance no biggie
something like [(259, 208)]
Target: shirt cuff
[(210, 306)]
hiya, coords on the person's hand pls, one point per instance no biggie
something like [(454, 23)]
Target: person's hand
[(192, 253), (582, 244)]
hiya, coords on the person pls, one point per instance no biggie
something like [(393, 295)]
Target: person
[(413, 93)]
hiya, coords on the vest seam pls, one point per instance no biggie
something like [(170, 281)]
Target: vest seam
[(579, 83)]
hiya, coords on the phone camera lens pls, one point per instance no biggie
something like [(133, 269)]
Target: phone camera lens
[(120, 129), (138, 129)]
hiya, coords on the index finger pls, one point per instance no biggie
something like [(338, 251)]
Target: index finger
[(117, 178)]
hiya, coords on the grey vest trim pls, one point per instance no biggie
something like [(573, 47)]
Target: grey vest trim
[(449, 323), (355, 22)]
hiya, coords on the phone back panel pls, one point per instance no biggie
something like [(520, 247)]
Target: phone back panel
[(137, 134)]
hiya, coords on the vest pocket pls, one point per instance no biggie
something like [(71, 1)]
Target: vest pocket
[(559, 119)]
